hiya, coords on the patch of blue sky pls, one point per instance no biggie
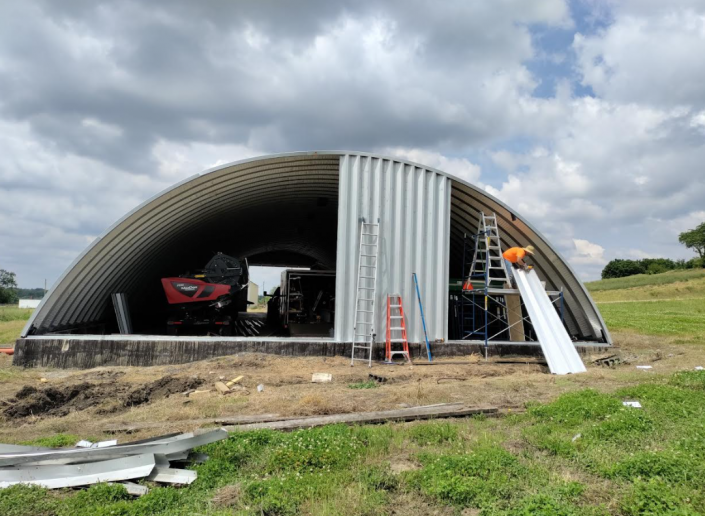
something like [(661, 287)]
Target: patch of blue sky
[(554, 59), (493, 174)]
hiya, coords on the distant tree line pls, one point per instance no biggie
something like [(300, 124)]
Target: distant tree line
[(693, 239), (619, 268), (30, 293)]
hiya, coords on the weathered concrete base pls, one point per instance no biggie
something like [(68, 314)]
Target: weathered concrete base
[(86, 352)]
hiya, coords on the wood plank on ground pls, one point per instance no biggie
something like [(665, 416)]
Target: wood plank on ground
[(383, 416), (226, 420), (222, 388)]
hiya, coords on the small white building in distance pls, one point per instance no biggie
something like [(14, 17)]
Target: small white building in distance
[(29, 303), (252, 293)]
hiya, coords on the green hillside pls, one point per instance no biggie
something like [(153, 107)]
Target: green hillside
[(643, 280), (669, 304)]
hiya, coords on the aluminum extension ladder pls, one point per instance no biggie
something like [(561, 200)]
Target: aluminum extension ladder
[(363, 326), (487, 261), (396, 329)]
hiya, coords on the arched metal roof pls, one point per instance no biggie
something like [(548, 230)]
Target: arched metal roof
[(274, 210)]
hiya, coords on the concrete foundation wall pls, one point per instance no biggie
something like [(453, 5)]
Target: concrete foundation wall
[(85, 353)]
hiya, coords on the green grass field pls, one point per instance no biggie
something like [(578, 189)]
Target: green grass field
[(584, 454), (12, 320), (671, 305), (674, 318)]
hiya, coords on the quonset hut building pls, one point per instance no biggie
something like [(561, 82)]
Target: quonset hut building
[(299, 209)]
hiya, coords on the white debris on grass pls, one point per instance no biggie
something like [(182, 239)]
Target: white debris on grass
[(101, 444)]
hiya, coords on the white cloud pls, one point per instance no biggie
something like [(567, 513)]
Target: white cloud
[(614, 170), (638, 254), (698, 121), (53, 205), (588, 253), (647, 56), (176, 161)]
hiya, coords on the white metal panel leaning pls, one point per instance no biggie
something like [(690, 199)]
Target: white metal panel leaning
[(556, 344)]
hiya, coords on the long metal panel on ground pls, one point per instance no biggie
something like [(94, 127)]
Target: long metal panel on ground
[(55, 477), (556, 344), (166, 447)]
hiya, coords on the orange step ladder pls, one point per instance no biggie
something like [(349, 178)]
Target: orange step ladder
[(396, 329)]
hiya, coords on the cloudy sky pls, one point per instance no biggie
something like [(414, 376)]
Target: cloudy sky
[(587, 116)]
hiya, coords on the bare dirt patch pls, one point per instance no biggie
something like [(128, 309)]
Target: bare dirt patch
[(162, 388), (401, 465), (105, 397), (131, 395), (413, 504), (56, 401)]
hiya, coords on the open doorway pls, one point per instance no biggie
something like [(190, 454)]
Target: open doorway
[(297, 302), (263, 281), (279, 233)]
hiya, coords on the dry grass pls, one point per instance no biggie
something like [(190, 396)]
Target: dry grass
[(227, 496), (641, 280), (691, 289), (10, 332), (12, 320), (289, 392)]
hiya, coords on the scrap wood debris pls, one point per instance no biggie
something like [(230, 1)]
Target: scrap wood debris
[(231, 386), (222, 388), (234, 381), (451, 378), (157, 459), (608, 361)]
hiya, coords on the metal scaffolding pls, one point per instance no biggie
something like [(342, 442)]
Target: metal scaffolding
[(481, 310)]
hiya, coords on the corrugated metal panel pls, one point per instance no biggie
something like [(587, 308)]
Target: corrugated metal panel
[(57, 477), (412, 204), (557, 346)]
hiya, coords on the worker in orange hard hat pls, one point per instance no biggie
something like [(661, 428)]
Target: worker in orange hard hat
[(514, 257)]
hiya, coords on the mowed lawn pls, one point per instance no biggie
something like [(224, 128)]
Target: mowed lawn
[(682, 318), (672, 304)]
